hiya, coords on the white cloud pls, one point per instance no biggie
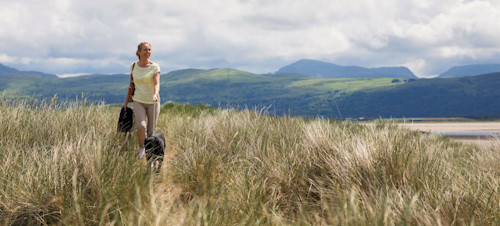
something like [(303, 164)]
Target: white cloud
[(417, 64), (71, 75), (64, 36), (7, 59)]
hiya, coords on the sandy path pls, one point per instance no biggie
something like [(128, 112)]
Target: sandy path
[(168, 193)]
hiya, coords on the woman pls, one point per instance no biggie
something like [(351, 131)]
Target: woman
[(146, 77)]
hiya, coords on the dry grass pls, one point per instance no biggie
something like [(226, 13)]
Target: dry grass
[(67, 165)]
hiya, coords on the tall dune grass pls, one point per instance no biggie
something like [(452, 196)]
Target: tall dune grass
[(68, 165)]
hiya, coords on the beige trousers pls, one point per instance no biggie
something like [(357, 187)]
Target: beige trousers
[(141, 111)]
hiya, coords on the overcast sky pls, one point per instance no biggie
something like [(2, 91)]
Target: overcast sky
[(259, 36)]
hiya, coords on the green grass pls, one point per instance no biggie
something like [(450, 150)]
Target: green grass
[(66, 164), (215, 75), (343, 84)]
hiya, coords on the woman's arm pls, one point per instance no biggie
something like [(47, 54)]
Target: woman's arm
[(156, 79), (131, 84)]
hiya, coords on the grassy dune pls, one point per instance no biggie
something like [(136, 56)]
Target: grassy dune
[(67, 165)]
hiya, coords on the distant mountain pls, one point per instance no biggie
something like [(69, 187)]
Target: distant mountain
[(472, 69), (7, 70), (319, 69), (4, 70)]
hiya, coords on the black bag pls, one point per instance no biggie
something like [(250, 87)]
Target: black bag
[(126, 120), (155, 149)]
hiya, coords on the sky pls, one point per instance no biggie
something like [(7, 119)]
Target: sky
[(66, 37)]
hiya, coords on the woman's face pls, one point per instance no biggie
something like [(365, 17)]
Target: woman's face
[(145, 51)]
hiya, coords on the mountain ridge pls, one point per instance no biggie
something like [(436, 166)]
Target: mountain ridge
[(5, 70), (321, 69), (470, 70)]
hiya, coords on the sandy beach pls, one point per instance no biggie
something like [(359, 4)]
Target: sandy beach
[(460, 127), (454, 126)]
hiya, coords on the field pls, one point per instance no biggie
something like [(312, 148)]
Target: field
[(64, 163)]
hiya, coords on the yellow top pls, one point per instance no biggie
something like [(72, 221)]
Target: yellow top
[(144, 83)]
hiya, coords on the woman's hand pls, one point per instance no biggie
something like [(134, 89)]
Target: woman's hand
[(156, 90), (125, 104), (155, 97)]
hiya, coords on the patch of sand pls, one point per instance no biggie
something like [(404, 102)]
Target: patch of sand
[(454, 126), (460, 127)]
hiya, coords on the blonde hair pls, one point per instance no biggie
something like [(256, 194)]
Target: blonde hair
[(139, 48)]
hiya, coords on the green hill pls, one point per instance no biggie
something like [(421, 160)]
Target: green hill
[(428, 98), (288, 93), (285, 93)]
